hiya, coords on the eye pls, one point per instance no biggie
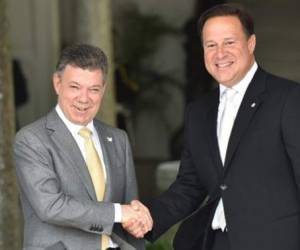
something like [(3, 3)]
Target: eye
[(95, 90), (229, 43), (210, 45), (73, 86)]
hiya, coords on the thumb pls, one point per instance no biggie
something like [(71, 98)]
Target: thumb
[(135, 205)]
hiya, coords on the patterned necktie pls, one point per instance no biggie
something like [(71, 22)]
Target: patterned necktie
[(96, 172)]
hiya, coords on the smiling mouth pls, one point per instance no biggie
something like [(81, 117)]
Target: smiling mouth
[(223, 65), (81, 109)]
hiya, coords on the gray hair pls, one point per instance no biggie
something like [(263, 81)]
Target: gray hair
[(83, 56)]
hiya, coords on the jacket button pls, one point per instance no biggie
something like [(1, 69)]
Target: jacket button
[(223, 187)]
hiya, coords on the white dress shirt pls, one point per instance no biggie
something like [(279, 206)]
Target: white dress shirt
[(219, 220), (74, 129)]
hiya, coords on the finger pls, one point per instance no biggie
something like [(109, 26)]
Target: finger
[(143, 220), (146, 211), (144, 223), (136, 229), (139, 231), (147, 219), (143, 214), (136, 205)]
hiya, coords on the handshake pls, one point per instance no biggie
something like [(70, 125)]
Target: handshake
[(136, 219)]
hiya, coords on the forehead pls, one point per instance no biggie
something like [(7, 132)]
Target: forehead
[(221, 25), (77, 74)]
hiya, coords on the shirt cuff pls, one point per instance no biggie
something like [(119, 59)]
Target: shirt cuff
[(118, 213)]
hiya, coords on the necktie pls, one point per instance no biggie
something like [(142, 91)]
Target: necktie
[(96, 172), (224, 130), (226, 121)]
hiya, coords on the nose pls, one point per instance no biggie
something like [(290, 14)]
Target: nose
[(220, 52), (83, 96)]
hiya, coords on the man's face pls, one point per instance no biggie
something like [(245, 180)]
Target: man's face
[(80, 93), (228, 53)]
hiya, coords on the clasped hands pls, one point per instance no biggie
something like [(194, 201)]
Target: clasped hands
[(136, 219)]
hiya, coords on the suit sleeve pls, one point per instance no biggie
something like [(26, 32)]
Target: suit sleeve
[(183, 197), (291, 129), (131, 191), (40, 187)]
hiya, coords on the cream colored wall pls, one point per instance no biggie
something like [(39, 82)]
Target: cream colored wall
[(35, 42), (277, 25)]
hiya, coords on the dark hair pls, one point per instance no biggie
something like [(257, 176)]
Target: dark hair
[(83, 56), (229, 9)]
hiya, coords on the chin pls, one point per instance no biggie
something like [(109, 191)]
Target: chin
[(79, 122), (224, 80)]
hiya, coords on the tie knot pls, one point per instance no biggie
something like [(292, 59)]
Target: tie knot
[(229, 94), (85, 133)]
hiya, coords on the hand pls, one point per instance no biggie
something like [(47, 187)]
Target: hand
[(136, 219), (143, 210), (140, 207), (133, 221)]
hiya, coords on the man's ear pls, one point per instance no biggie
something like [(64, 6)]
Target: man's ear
[(252, 43), (56, 80)]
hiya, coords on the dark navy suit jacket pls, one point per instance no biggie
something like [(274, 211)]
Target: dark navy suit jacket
[(259, 182)]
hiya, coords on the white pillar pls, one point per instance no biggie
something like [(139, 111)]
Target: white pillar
[(94, 27), (10, 222), (34, 30)]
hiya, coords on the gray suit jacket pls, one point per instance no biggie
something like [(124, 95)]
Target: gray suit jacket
[(58, 199)]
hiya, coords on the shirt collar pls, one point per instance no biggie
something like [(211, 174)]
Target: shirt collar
[(241, 86), (74, 128)]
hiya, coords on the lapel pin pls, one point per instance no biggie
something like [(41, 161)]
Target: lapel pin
[(253, 105), (109, 139)]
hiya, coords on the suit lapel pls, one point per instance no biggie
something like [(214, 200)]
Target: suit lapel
[(69, 148), (212, 130), (107, 142), (250, 104)]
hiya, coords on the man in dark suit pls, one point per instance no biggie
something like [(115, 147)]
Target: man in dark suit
[(74, 171), (240, 164)]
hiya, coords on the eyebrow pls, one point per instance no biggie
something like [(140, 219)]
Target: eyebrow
[(92, 86), (225, 39), (209, 41), (230, 38), (96, 86), (74, 82)]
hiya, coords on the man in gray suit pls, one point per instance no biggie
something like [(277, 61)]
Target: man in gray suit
[(59, 192)]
